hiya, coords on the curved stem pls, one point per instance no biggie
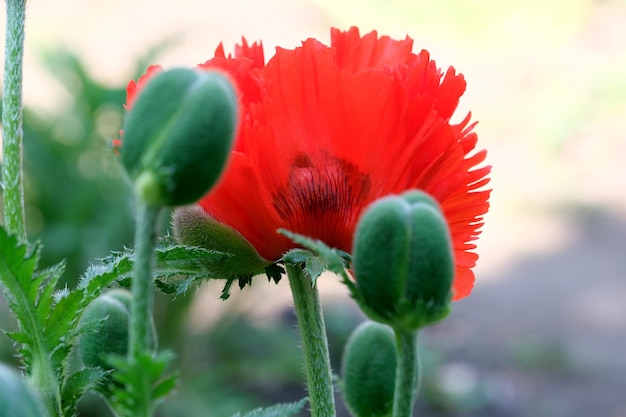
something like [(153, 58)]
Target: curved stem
[(12, 120), (314, 343), (407, 373)]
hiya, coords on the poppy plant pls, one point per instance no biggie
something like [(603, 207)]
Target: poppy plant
[(326, 130)]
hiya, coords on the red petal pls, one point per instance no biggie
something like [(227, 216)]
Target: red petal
[(133, 88), (356, 53), (324, 131)]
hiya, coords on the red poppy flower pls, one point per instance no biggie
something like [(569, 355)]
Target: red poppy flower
[(326, 130)]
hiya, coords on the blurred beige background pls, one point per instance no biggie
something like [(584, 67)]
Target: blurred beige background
[(546, 81)]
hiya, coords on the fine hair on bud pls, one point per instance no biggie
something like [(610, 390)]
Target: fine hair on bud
[(179, 134), (369, 370), (403, 261)]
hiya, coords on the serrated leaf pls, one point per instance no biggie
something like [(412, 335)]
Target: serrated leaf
[(177, 267), (165, 386), (63, 314), (47, 317), (177, 288), (335, 260), (18, 263), (314, 267), (140, 381), (296, 256), (190, 261), (50, 279), (278, 410), (24, 289), (78, 384), (18, 337), (226, 290), (274, 272), (118, 265), (17, 267)]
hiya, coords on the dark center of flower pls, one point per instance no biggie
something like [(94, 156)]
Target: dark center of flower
[(323, 196)]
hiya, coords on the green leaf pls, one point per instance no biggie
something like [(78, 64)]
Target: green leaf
[(165, 386), (296, 256), (335, 260), (22, 287), (140, 382), (18, 263), (318, 258), (314, 267), (274, 272), (48, 320), (226, 290), (279, 410), (78, 384), (177, 267), (50, 278), (18, 337)]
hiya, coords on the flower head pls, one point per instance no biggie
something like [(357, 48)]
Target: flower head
[(326, 130)]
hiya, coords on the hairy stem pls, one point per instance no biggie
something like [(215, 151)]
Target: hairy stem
[(141, 286), (314, 343), (407, 373), (12, 120), (143, 296)]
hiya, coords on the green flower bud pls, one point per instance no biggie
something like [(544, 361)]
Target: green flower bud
[(369, 371), (17, 398), (109, 317), (192, 226), (403, 261), (179, 134)]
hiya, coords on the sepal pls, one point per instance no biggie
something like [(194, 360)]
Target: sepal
[(192, 226)]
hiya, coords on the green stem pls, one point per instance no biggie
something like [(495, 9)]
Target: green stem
[(42, 374), (407, 373), (314, 343), (141, 287), (12, 120), (143, 296), (44, 378)]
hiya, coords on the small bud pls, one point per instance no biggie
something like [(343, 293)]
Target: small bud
[(192, 226), (403, 261), (369, 371), (109, 317), (17, 398), (178, 135)]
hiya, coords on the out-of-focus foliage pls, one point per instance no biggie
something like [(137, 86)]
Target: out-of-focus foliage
[(77, 202)]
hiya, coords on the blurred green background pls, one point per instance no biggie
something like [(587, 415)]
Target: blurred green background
[(544, 332)]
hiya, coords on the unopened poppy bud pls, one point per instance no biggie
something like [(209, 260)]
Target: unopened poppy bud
[(369, 371), (403, 261), (178, 135), (109, 314), (192, 226), (17, 398)]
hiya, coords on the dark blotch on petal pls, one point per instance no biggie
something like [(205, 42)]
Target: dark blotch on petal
[(329, 187)]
